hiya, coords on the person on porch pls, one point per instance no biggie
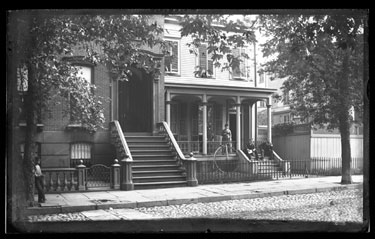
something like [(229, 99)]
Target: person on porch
[(267, 149), (226, 138), (250, 150)]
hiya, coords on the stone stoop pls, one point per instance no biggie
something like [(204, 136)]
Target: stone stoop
[(154, 163)]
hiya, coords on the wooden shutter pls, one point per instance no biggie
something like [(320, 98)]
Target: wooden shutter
[(236, 69), (202, 56), (210, 63), (242, 64), (174, 67)]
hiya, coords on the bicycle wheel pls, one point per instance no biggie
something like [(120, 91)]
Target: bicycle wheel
[(225, 158)]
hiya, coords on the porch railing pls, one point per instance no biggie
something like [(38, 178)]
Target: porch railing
[(197, 146)]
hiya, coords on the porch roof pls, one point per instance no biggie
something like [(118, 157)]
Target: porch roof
[(210, 86)]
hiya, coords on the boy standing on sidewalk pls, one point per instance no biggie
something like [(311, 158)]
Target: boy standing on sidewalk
[(39, 184)]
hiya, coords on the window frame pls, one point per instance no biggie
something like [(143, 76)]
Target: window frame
[(80, 63), (178, 41), (246, 65), (86, 161), (198, 65)]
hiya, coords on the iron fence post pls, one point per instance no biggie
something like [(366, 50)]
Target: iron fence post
[(126, 174), (115, 175), (191, 168), (82, 176)]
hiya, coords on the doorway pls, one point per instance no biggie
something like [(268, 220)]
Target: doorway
[(135, 102)]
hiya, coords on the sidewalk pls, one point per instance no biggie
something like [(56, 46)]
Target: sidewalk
[(85, 201)]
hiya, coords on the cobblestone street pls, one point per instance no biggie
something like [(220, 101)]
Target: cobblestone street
[(333, 206)]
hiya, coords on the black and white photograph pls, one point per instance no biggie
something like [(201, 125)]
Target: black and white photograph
[(187, 121)]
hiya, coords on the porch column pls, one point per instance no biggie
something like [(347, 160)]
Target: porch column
[(204, 136), (238, 123), (168, 108), (251, 136), (256, 123), (269, 122)]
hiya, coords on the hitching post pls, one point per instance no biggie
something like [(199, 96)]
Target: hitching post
[(126, 174), (115, 175), (82, 173), (191, 168)]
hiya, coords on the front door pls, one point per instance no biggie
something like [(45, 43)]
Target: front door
[(135, 103)]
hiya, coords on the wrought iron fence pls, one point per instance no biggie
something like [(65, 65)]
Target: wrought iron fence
[(234, 170), (98, 176), (323, 166)]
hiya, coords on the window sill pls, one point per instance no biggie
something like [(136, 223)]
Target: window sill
[(74, 126), (207, 77), (172, 74), (38, 126), (239, 79)]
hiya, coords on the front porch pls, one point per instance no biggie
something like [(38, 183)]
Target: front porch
[(197, 113)]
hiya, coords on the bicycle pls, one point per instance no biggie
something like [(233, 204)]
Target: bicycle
[(225, 159)]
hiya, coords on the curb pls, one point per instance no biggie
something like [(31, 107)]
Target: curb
[(168, 202)]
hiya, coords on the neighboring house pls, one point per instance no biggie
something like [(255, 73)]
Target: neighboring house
[(304, 141), (193, 97)]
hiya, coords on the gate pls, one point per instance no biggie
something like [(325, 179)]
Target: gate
[(98, 177)]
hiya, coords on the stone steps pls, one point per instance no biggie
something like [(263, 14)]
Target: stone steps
[(154, 164)]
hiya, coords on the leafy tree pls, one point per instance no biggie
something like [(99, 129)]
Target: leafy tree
[(221, 34), (321, 57), (40, 45)]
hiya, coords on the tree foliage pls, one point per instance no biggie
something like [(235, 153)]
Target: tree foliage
[(221, 34), (310, 51), (44, 46), (321, 58)]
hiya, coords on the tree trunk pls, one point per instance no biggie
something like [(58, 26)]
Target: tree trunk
[(29, 154), (344, 121), (16, 200)]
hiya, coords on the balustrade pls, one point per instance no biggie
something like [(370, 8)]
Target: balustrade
[(60, 179)]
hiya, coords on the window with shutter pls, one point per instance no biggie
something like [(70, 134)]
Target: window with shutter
[(239, 69), (205, 63), (85, 73), (80, 151), (172, 59)]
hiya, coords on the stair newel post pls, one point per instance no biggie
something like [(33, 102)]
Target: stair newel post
[(191, 170), (126, 174), (115, 175), (82, 176)]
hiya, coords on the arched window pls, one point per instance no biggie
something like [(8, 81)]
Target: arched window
[(80, 151)]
